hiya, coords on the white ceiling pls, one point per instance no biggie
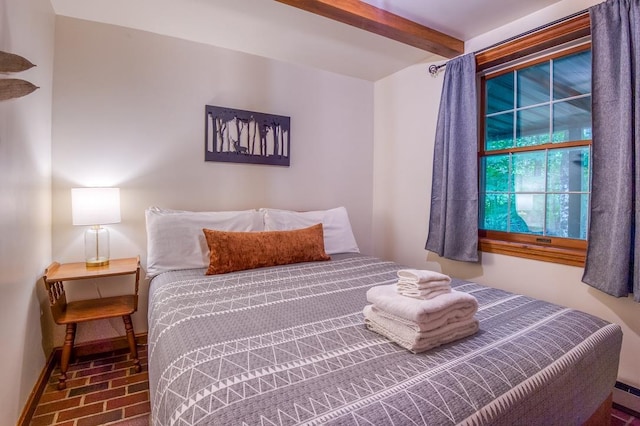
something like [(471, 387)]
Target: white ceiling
[(462, 19), (271, 29)]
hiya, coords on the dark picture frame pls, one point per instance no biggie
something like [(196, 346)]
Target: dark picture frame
[(240, 136)]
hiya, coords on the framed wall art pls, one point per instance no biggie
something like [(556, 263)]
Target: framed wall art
[(239, 136)]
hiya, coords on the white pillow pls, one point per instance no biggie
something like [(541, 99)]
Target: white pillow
[(175, 239), (338, 236)]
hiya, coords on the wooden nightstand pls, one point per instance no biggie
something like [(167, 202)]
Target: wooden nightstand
[(74, 312)]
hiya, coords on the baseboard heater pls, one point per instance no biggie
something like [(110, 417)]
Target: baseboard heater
[(628, 397)]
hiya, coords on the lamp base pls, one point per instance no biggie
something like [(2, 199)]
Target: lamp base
[(92, 263), (96, 246)]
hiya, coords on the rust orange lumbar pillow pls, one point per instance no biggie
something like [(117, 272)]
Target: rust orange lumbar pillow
[(236, 251)]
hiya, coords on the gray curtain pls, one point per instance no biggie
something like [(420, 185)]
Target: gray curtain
[(453, 223), (613, 255)]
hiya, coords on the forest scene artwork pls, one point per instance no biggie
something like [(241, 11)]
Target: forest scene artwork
[(238, 136)]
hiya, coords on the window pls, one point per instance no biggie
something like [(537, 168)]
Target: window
[(534, 157)]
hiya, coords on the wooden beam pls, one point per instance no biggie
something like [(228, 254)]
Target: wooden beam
[(370, 18)]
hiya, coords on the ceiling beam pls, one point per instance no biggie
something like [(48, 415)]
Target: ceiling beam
[(370, 18)]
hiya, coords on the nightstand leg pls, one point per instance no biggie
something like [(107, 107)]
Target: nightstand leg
[(66, 354), (131, 338)]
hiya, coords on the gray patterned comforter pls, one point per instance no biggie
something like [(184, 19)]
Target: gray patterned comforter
[(287, 345)]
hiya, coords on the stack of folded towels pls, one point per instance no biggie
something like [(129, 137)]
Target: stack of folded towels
[(421, 311)]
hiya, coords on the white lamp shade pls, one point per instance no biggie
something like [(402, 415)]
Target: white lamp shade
[(95, 206)]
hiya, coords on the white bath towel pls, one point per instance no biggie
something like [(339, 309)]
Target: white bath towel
[(421, 276), (438, 310), (432, 324), (423, 341)]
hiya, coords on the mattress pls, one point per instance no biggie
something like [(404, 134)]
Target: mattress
[(288, 345)]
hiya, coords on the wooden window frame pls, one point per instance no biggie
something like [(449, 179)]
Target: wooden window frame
[(565, 251)]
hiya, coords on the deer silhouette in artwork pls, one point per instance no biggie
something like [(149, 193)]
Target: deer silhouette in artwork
[(239, 148)]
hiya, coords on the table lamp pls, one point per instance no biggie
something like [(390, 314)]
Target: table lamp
[(95, 207)]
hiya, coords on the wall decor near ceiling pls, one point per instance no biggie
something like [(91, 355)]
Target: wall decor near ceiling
[(10, 62), (14, 87), (238, 136)]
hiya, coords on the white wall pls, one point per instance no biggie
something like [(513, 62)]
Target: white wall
[(406, 106), (406, 109), (26, 28), (129, 112)]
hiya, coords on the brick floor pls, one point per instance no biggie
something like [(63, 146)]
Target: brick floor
[(101, 389)]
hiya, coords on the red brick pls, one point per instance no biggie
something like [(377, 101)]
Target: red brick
[(83, 390), (52, 396), (124, 364), (127, 400), (138, 387), (83, 411), (134, 410), (52, 407), (111, 360), (108, 376), (94, 370), (143, 420), (79, 366), (45, 420), (52, 387), (135, 378), (73, 383), (100, 419), (103, 395)]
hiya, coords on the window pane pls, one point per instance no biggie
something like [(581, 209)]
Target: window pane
[(572, 120), (529, 171), (499, 130), (529, 217), (567, 215), (495, 173), (500, 93), (584, 216), (572, 75), (533, 126), (536, 189), (534, 85), (568, 170), (496, 212)]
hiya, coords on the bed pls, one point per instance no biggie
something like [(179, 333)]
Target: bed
[(287, 344)]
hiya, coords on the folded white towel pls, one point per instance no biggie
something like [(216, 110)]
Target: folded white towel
[(432, 324), (438, 310), (423, 285), (422, 341), (421, 291), (421, 275)]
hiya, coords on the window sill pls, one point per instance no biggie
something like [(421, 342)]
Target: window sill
[(565, 256)]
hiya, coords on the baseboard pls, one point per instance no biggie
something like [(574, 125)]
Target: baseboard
[(80, 349), (38, 390), (627, 398)]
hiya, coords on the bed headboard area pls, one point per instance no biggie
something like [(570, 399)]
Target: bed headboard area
[(176, 240)]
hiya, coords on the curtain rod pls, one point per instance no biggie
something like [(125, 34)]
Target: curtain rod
[(433, 69)]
